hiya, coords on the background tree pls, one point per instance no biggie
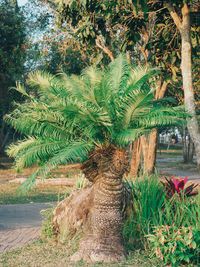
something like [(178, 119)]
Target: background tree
[(12, 58), (183, 25), (147, 38)]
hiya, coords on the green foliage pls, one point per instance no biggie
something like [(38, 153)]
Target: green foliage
[(47, 225), (12, 53), (176, 245), (148, 199), (169, 227), (181, 211), (74, 114), (12, 58)]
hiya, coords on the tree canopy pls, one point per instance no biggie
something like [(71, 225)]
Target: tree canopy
[(12, 58)]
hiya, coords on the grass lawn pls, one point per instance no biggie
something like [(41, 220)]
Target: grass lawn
[(44, 254), (164, 154), (9, 195), (47, 193)]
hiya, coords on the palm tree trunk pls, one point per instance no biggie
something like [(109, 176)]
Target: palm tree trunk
[(104, 240)]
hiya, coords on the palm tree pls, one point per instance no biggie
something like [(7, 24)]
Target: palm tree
[(90, 119)]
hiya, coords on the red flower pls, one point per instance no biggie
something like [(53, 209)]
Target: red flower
[(179, 184)]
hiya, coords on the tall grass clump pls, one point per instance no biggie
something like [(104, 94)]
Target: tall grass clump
[(182, 211), (148, 198)]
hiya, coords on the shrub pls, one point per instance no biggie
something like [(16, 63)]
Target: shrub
[(47, 225), (151, 207), (176, 245), (182, 211), (176, 239)]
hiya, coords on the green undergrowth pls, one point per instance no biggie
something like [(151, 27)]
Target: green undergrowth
[(150, 211), (153, 212)]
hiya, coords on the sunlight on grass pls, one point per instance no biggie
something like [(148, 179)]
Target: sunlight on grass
[(44, 254)]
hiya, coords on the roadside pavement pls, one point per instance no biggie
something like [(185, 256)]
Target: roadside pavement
[(20, 224)]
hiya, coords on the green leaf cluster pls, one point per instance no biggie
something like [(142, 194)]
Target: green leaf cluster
[(176, 245), (71, 115)]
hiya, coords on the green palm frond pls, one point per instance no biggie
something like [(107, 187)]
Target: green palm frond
[(41, 80), (118, 75), (135, 105), (73, 152), (15, 148), (70, 115), (163, 116), (125, 137), (33, 151), (138, 77), (21, 89)]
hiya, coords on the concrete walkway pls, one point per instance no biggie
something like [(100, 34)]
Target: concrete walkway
[(20, 224)]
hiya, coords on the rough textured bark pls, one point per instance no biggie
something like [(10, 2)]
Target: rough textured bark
[(144, 144), (4, 104), (105, 168), (3, 137), (186, 67), (152, 151)]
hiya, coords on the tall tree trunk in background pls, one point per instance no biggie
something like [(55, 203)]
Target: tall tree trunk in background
[(149, 144), (188, 147), (104, 242), (136, 158), (186, 67), (160, 92)]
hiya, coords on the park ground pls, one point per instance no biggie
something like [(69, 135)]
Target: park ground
[(42, 253)]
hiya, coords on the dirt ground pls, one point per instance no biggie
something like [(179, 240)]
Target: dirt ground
[(7, 172)]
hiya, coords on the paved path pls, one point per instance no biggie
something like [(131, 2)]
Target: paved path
[(191, 177), (20, 224), (18, 238)]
